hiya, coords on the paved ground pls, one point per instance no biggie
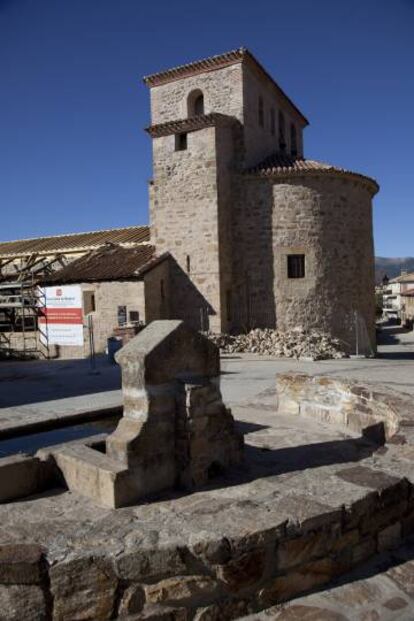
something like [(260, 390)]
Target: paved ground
[(38, 390), (297, 458), (296, 469)]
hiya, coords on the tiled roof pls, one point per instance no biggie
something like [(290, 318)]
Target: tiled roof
[(211, 64), (130, 235), (198, 66), (191, 124), (409, 277), (111, 262), (278, 165)]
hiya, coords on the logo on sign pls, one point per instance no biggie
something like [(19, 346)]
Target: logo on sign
[(58, 292)]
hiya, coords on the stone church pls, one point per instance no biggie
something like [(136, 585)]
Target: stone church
[(244, 231), (259, 235)]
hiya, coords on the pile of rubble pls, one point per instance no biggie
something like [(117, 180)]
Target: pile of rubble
[(296, 343)]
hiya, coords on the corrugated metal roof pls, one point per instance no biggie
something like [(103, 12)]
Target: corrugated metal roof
[(112, 262), (130, 235)]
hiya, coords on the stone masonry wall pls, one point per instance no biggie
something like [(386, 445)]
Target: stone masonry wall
[(253, 254), (234, 91), (158, 292), (329, 219), (259, 141), (184, 221), (219, 579), (222, 91), (108, 296)]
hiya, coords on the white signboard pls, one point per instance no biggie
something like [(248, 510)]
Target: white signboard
[(62, 320)]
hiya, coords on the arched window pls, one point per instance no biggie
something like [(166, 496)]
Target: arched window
[(282, 132), (260, 111), (195, 103), (293, 140)]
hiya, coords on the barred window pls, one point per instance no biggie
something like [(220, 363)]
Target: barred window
[(296, 266)]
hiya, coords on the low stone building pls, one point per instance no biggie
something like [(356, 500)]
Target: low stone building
[(26, 263), (117, 291)]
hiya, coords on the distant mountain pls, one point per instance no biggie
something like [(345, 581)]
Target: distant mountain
[(392, 266)]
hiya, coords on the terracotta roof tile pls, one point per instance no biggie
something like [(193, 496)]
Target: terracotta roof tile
[(212, 63), (111, 262), (279, 165), (191, 124), (409, 277), (130, 235), (197, 66)]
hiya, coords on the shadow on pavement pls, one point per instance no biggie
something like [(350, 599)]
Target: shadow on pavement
[(35, 381)]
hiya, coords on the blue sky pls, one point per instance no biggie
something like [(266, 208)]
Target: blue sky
[(73, 155)]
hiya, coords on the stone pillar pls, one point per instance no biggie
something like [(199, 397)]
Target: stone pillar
[(175, 429)]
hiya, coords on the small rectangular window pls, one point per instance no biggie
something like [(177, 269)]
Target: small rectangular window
[(122, 315), (296, 266), (272, 121), (89, 302), (180, 142), (229, 305), (133, 316), (261, 112), (293, 141)]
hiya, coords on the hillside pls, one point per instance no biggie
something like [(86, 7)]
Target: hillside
[(392, 266)]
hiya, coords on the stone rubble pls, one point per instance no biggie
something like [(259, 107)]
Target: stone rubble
[(295, 343)]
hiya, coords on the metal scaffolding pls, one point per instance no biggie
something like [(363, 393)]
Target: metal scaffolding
[(22, 302)]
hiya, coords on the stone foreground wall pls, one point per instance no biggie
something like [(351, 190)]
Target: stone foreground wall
[(344, 403), (212, 579), (225, 577)]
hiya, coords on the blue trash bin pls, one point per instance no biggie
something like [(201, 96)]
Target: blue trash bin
[(114, 344)]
